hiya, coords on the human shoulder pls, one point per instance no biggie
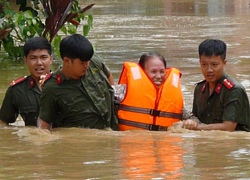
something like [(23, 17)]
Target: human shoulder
[(50, 80), (48, 76), (18, 81), (96, 61), (232, 84), (228, 83), (201, 84), (55, 79), (233, 90), (51, 77), (96, 58)]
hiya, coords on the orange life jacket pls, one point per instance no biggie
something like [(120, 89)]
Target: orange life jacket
[(146, 107)]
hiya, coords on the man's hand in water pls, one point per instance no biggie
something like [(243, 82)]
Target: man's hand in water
[(190, 124), (3, 124)]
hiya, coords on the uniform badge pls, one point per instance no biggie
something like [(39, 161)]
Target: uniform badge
[(218, 88), (32, 82), (58, 79)]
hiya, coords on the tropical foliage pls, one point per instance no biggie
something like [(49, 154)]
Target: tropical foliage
[(48, 18)]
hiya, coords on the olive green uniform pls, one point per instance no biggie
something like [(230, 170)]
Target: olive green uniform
[(22, 97), (87, 102), (228, 102)]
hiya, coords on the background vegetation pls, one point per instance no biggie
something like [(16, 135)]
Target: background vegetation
[(52, 19)]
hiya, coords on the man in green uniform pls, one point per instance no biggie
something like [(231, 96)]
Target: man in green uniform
[(78, 94), (23, 95), (220, 102)]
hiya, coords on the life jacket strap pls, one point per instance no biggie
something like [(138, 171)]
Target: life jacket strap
[(152, 112), (151, 127)]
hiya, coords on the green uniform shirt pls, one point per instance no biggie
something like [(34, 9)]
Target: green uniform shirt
[(228, 102), (22, 98), (101, 65), (87, 102)]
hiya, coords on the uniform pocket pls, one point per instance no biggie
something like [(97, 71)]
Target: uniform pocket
[(29, 115)]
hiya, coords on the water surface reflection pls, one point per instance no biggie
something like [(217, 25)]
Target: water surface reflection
[(77, 153), (122, 31)]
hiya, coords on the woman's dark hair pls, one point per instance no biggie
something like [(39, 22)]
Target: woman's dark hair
[(213, 47), (76, 46), (36, 43), (145, 57)]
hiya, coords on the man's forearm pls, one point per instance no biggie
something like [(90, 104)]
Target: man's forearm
[(2, 123), (42, 124)]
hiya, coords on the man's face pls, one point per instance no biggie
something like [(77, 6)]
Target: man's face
[(78, 68), (212, 68), (38, 62)]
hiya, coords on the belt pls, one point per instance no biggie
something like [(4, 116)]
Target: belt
[(151, 127), (152, 112)]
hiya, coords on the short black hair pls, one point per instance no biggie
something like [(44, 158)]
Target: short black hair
[(145, 57), (213, 47), (36, 43), (76, 46)]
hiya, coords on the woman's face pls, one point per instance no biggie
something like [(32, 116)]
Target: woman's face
[(156, 71)]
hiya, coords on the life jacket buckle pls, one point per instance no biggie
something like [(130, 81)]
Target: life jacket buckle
[(154, 112), (153, 127)]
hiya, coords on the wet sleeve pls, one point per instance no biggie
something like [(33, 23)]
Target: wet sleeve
[(236, 106), (8, 112)]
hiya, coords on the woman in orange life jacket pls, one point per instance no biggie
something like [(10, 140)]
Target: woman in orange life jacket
[(152, 94)]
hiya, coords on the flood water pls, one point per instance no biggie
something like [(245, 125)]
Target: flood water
[(122, 31)]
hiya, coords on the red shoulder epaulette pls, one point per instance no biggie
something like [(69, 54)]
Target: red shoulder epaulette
[(48, 76), (44, 78), (17, 81), (228, 84)]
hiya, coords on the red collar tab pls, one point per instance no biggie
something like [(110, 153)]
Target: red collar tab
[(203, 87), (32, 82), (218, 88), (17, 81), (228, 84), (58, 79)]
